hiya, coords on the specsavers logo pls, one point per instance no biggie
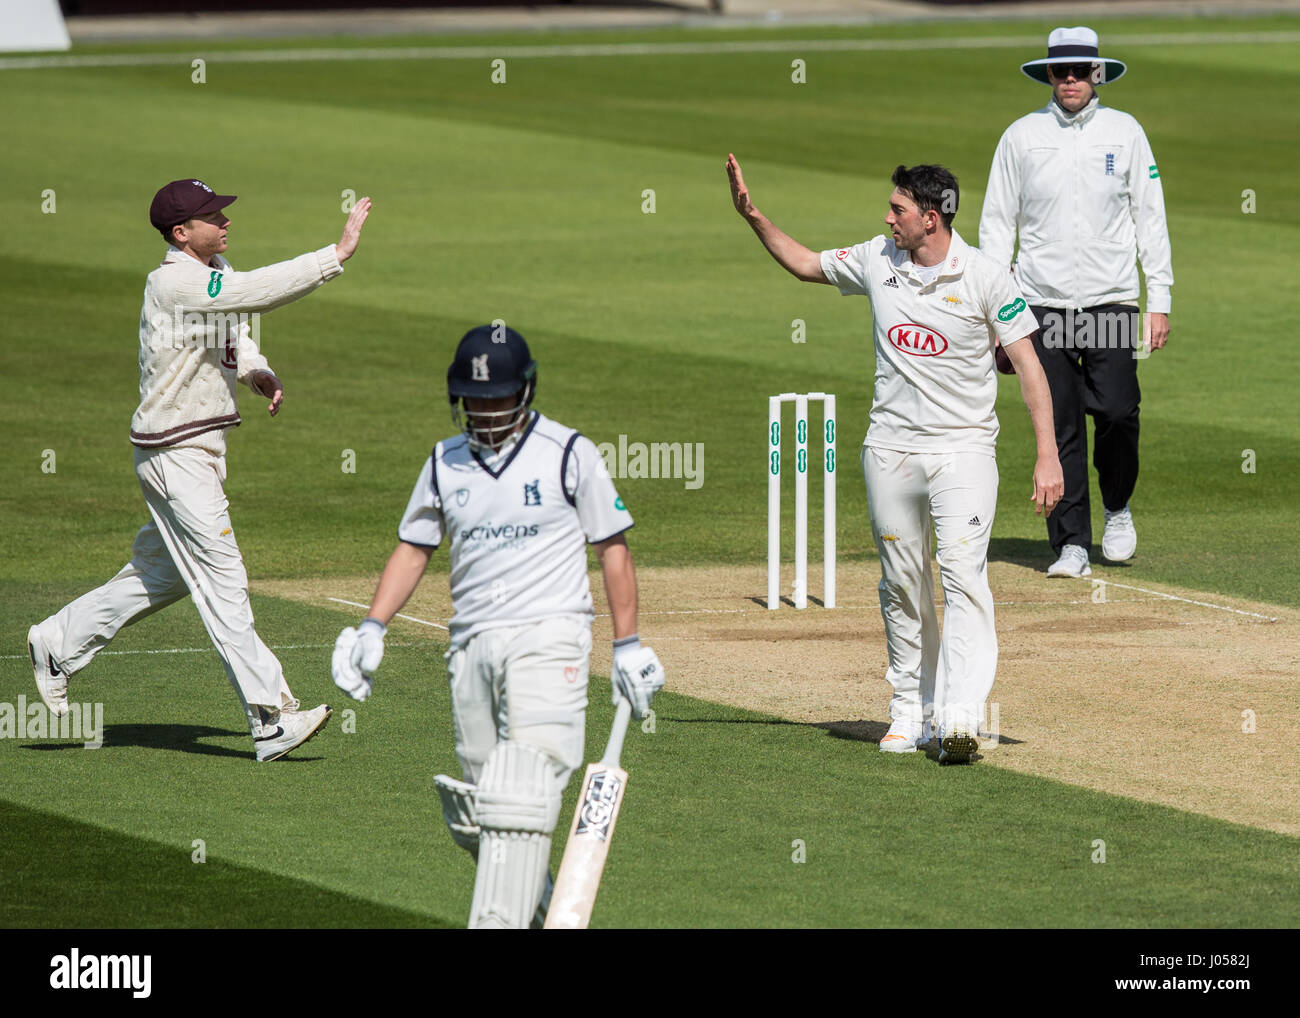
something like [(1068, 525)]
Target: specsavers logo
[(917, 340), (1009, 311)]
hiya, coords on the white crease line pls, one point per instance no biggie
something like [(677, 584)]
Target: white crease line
[(713, 611), (695, 611), (262, 56), (853, 607), (399, 615), (178, 650), (1186, 600), (1048, 604)]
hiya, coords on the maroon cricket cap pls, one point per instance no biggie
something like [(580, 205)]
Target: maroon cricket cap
[(181, 200)]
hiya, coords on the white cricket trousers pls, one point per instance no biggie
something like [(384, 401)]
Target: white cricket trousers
[(187, 548), (525, 683), (948, 677)]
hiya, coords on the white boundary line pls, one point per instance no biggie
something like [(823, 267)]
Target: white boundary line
[(399, 615), (628, 49)]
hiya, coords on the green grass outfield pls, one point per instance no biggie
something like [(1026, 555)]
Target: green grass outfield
[(523, 201)]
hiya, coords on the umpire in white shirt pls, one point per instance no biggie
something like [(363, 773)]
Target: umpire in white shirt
[(1077, 181)]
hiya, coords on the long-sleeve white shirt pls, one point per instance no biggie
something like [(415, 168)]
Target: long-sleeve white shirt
[(198, 338), (1084, 193)]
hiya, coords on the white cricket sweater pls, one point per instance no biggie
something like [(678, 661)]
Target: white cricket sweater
[(198, 337)]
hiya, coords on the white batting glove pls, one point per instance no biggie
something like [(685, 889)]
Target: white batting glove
[(357, 654), (637, 675), (346, 675), (369, 650)]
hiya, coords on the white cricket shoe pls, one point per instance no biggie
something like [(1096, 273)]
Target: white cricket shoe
[(958, 746), (902, 737), (1073, 562), (52, 683), (283, 731), (1120, 539)]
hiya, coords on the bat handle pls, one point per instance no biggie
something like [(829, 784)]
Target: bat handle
[(617, 733)]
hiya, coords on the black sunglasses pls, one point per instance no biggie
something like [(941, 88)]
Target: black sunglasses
[(1081, 72)]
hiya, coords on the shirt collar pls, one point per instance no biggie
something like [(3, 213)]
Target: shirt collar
[(954, 262), (1070, 119), (175, 254)]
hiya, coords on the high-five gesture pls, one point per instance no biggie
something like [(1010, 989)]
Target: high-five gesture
[(739, 192), (792, 256), (347, 245)]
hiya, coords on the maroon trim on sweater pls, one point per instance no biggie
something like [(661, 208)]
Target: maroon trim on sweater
[(183, 431)]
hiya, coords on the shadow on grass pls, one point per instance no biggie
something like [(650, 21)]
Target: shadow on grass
[(63, 874), (181, 738), (874, 731), (787, 601), (855, 731), (1032, 554), (731, 721), (1038, 555), (1021, 552)]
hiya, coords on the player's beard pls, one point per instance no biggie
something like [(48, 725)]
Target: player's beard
[(909, 244)]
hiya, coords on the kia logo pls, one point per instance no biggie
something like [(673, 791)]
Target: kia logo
[(917, 340)]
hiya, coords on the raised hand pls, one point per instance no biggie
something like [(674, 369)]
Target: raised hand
[(347, 245), (739, 192)]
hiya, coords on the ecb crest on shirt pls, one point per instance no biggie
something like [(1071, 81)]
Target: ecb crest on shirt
[(462, 496)]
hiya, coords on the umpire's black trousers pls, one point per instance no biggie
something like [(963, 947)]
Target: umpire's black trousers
[(1089, 358)]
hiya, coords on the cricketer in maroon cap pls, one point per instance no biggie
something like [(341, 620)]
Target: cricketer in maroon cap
[(181, 201), (200, 330)]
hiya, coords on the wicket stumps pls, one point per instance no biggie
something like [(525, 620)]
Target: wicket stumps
[(800, 401)]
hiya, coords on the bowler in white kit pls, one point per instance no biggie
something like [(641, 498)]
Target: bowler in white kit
[(929, 454), (196, 343), (518, 497)]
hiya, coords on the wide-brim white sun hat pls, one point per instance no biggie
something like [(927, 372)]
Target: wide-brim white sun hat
[(1075, 46)]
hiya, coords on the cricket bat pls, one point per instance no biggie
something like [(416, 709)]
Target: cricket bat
[(593, 827)]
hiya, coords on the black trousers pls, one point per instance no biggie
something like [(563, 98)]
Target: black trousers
[(1088, 357)]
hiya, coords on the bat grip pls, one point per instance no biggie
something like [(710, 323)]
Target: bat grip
[(617, 733)]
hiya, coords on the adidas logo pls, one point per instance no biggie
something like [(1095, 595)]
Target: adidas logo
[(974, 521), (892, 281)]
